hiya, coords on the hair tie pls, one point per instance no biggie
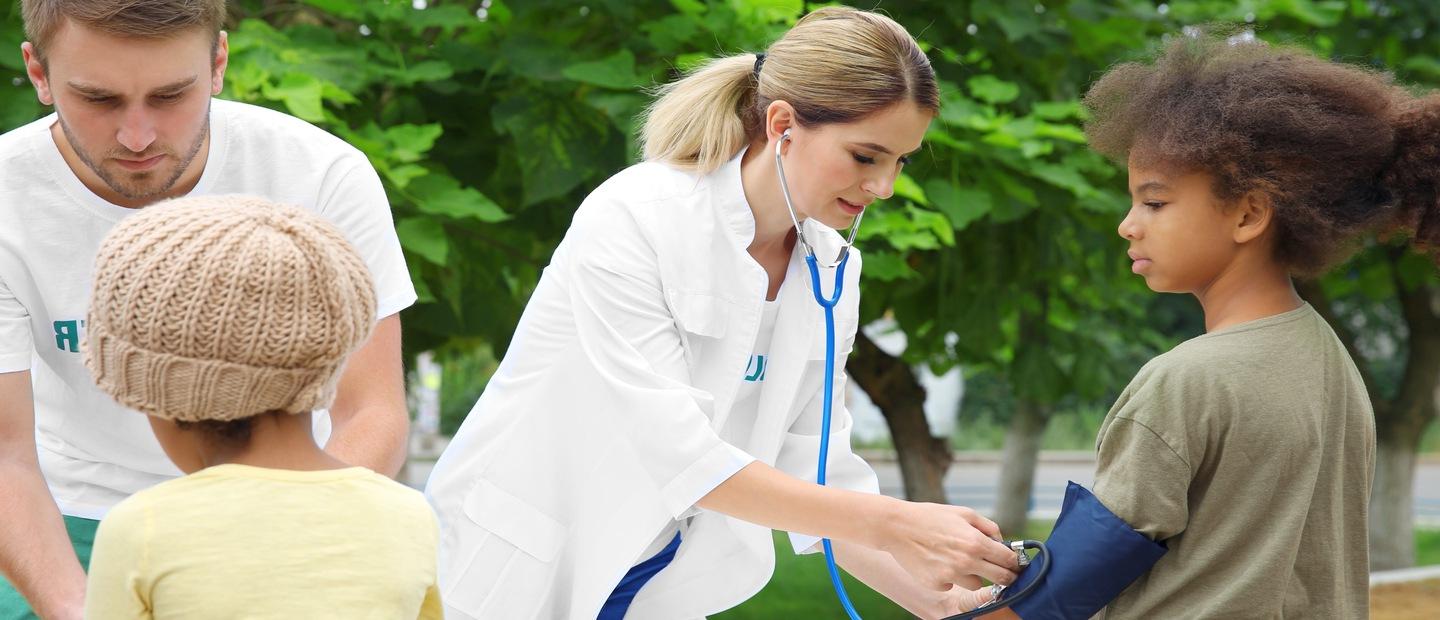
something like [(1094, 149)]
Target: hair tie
[(759, 62)]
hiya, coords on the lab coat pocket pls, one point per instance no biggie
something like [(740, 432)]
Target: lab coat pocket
[(701, 318), (511, 569)]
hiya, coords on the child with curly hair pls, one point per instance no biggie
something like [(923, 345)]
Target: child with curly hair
[(1248, 451)]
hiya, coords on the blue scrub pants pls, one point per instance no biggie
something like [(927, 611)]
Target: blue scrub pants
[(619, 601)]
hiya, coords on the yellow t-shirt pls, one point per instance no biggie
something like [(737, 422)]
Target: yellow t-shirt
[(234, 541)]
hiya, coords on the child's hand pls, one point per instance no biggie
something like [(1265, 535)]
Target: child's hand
[(959, 600)]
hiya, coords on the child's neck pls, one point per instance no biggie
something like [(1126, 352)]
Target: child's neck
[(277, 441), (1246, 291)]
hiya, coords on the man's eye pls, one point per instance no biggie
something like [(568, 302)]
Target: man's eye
[(168, 98), (100, 100)]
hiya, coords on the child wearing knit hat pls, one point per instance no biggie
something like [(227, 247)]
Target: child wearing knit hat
[(227, 320)]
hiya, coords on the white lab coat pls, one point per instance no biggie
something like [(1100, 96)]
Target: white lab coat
[(600, 425)]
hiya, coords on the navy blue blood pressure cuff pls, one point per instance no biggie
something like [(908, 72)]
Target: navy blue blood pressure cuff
[(1094, 555)]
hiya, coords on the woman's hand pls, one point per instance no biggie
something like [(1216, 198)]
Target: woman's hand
[(941, 545)]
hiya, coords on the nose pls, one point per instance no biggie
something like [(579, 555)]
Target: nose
[(137, 129), (1130, 226), (881, 187)]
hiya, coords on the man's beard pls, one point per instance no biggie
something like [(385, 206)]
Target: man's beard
[(135, 188)]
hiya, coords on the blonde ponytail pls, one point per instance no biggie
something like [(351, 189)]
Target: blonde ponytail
[(697, 122), (837, 65)]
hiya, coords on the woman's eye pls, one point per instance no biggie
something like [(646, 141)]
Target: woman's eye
[(904, 160), (1154, 204), (863, 159)]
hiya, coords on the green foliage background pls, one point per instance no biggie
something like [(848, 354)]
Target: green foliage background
[(490, 121)]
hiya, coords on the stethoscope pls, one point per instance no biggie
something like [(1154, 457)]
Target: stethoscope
[(828, 305)]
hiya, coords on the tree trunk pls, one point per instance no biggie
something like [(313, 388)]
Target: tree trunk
[(1392, 506), (1400, 422), (1017, 467), (893, 388), (1399, 428)]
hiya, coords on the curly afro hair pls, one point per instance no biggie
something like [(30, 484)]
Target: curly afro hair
[(1340, 150)]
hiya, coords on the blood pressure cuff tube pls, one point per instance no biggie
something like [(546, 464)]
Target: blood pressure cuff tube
[(1094, 555)]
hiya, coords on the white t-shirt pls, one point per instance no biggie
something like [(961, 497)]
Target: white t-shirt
[(742, 414), (92, 451)]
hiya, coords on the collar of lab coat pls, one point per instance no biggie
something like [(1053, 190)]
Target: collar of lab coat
[(739, 219)]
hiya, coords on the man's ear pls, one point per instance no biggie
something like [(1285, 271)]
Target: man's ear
[(222, 60), (35, 70), (1255, 212)]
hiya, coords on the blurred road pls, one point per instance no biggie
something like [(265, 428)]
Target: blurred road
[(972, 479)]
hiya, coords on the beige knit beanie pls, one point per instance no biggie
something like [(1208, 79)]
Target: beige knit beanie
[(225, 307)]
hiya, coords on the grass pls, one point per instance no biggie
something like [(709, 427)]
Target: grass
[(1427, 547), (801, 586)]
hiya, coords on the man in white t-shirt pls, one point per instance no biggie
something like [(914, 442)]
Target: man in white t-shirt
[(132, 84)]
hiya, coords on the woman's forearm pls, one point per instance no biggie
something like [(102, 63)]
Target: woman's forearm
[(767, 496), (937, 544)]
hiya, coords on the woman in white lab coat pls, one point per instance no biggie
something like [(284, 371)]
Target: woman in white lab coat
[(658, 411)]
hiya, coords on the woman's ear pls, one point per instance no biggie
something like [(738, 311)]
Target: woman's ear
[(1255, 213), (779, 117)]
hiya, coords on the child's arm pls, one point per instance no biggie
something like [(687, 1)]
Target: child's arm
[(117, 588)]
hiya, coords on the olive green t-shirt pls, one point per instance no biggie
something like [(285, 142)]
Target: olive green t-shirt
[(1249, 452)]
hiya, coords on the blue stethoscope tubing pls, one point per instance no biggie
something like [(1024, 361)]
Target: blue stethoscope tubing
[(828, 305)]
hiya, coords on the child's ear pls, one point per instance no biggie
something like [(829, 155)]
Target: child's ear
[(1255, 213)]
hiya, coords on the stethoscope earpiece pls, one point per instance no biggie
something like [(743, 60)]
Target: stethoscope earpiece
[(795, 219)]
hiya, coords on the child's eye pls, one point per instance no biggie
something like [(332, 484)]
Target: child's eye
[(863, 159)]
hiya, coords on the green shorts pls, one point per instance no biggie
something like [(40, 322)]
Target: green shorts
[(82, 536)]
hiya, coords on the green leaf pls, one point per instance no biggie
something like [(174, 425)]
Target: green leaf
[(425, 238), (1063, 177), (332, 93), (906, 187), (887, 266), (688, 62), (428, 71), (961, 206), (991, 89), (401, 175), (1069, 133), (1415, 270), (614, 71), (301, 95), (1058, 110), (409, 143), (688, 7), (936, 223), (772, 10), (348, 9), (440, 194)]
